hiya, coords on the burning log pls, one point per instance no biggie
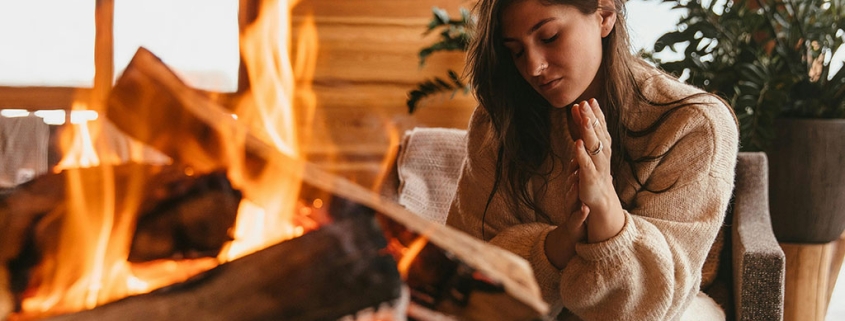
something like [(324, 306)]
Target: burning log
[(192, 130), (185, 217), (322, 275), (180, 216)]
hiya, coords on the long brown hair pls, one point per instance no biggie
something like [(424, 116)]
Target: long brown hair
[(520, 116)]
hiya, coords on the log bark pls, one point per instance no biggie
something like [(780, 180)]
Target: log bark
[(180, 217), (198, 133), (185, 217), (323, 275)]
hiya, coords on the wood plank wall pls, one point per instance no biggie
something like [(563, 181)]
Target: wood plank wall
[(366, 63)]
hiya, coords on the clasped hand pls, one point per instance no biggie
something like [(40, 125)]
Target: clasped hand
[(592, 194), (595, 213)]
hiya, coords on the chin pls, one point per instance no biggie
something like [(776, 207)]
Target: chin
[(561, 102), (559, 99)]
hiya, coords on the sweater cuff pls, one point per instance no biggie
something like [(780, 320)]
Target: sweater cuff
[(612, 247)]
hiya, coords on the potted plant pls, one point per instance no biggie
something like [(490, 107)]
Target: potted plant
[(771, 60), (454, 36)]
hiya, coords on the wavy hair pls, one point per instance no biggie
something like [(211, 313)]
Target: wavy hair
[(520, 116)]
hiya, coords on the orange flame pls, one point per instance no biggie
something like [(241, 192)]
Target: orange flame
[(269, 111), (409, 254), (78, 144), (89, 266)]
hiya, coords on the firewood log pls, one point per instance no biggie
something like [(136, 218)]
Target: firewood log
[(185, 217), (181, 216), (22, 207), (323, 275)]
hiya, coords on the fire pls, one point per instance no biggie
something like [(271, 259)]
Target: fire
[(78, 145), (409, 254), (89, 266), (269, 111)]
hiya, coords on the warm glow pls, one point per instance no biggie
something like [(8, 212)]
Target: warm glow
[(409, 254), (78, 144), (90, 267), (387, 162), (272, 114), (87, 141)]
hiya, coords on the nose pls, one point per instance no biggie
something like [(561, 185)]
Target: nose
[(536, 63)]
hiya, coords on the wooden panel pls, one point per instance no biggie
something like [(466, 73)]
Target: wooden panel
[(377, 8), (809, 271), (377, 53), (103, 49), (34, 98), (367, 62)]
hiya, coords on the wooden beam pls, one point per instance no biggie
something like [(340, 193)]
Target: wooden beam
[(35, 98), (103, 49), (247, 13)]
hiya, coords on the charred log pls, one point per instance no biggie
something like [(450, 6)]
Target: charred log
[(185, 217), (322, 275), (181, 216)]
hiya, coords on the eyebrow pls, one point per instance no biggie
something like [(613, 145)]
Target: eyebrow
[(533, 29)]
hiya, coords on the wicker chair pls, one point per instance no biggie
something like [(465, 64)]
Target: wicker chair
[(750, 281)]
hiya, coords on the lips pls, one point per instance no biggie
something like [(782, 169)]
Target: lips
[(550, 84)]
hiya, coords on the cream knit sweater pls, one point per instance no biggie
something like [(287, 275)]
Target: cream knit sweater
[(651, 270)]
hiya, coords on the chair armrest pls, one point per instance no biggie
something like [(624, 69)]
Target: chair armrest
[(758, 261)]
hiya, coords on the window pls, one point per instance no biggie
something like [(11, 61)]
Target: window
[(196, 38), (47, 43)]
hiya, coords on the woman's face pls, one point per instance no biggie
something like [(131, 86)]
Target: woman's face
[(556, 48)]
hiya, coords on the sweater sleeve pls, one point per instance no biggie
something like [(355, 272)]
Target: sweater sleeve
[(470, 212), (652, 268)]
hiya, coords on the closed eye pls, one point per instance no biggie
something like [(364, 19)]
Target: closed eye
[(550, 39)]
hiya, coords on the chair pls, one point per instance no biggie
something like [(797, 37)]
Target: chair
[(750, 282)]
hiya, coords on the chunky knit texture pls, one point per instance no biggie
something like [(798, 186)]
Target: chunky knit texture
[(652, 269), (426, 179)]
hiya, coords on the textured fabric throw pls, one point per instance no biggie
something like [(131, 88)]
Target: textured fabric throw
[(23, 149), (428, 166)]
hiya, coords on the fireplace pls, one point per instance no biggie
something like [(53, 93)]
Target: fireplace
[(236, 224)]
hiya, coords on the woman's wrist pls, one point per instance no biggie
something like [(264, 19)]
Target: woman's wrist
[(606, 221)]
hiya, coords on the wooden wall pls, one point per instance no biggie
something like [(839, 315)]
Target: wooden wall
[(366, 64)]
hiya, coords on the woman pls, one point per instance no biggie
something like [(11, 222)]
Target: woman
[(608, 176)]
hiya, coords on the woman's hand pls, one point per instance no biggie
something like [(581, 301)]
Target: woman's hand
[(592, 153), (560, 242)]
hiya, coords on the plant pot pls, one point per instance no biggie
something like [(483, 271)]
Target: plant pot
[(807, 180)]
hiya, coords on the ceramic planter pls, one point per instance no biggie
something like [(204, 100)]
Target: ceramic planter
[(807, 180)]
